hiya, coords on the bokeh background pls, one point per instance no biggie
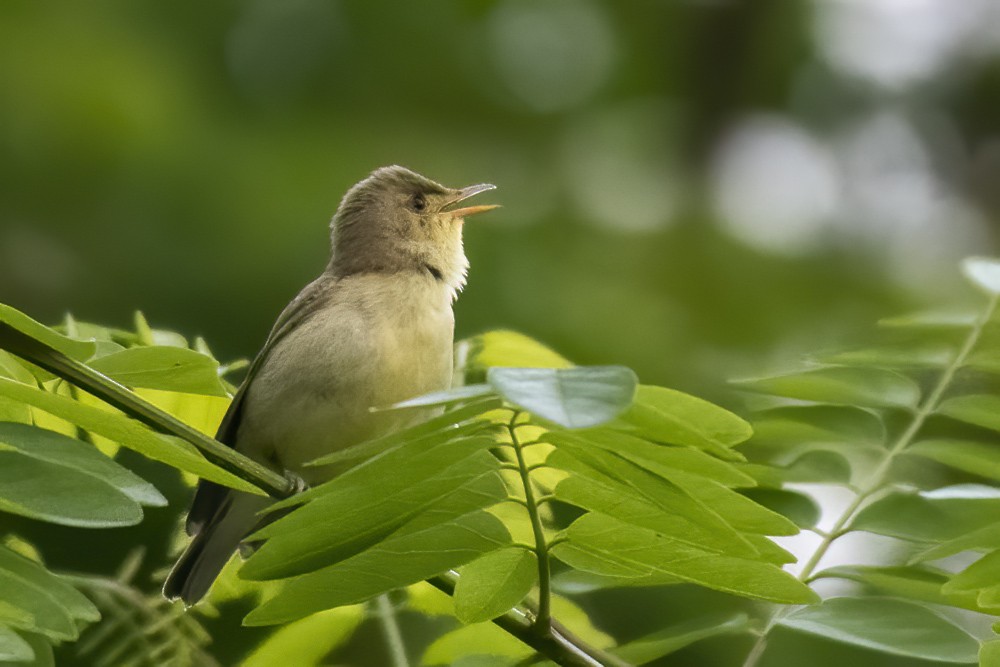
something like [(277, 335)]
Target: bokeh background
[(697, 189)]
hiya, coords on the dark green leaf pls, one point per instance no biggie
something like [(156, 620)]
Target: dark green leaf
[(45, 614), (818, 467), (54, 493), (492, 584), (604, 545), (977, 458), (356, 511), (979, 409), (867, 387), (982, 539), (401, 560), (796, 507), (165, 368), (577, 397), (74, 602), (125, 431), (887, 625), (671, 416), (803, 424), (924, 355), (42, 649), (61, 450), (666, 641)]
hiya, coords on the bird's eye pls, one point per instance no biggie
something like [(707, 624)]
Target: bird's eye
[(418, 203)]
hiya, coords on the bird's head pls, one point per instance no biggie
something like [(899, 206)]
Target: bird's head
[(397, 220)]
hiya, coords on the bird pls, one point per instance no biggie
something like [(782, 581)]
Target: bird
[(375, 328)]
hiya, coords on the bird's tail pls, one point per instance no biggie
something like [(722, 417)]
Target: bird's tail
[(210, 550)]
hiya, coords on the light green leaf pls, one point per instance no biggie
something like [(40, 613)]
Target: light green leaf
[(983, 272), (448, 396), (365, 505), (982, 539), (886, 625), (666, 641), (919, 583), (77, 349), (662, 460), (802, 424), (13, 648), (922, 355), (989, 654), (307, 642), (978, 409), (671, 416), (577, 397), (984, 573), (60, 450), (165, 368), (127, 432), (491, 585), (403, 559), (30, 572), (867, 387), (54, 493), (602, 544), (930, 516), (42, 649), (977, 458), (509, 348)]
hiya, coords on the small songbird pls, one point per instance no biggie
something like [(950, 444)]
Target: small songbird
[(374, 329)]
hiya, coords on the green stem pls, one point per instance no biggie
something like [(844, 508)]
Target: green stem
[(876, 480), (109, 391), (390, 629), (543, 621)]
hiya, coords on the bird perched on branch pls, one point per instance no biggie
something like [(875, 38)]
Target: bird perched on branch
[(375, 328)]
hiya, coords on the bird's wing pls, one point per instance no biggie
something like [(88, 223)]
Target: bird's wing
[(209, 495)]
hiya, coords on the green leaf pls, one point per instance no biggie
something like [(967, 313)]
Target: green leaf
[(983, 573), (510, 348), (127, 432), (671, 416), (635, 497), (365, 505), (978, 409), (983, 272), (989, 654), (77, 349), (867, 387), (80, 457), (448, 396), (307, 642), (403, 559), (982, 539), (74, 602), (796, 507), (54, 493), (165, 368), (491, 585), (931, 516), (661, 460), (932, 319), (886, 625), (41, 647), (919, 583), (977, 458), (45, 614), (818, 467), (673, 638), (922, 355), (604, 545), (822, 424), (577, 397), (13, 648)]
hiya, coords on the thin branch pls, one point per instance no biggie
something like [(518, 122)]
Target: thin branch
[(390, 630)]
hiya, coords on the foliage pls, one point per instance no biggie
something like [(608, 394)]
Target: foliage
[(529, 489)]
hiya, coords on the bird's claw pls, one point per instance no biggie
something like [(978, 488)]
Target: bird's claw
[(296, 482)]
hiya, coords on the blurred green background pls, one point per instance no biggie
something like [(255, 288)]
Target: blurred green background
[(700, 189), (690, 188)]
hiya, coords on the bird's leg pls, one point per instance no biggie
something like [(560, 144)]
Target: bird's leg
[(295, 481)]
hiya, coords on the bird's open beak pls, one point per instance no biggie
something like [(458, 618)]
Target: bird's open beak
[(465, 193)]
